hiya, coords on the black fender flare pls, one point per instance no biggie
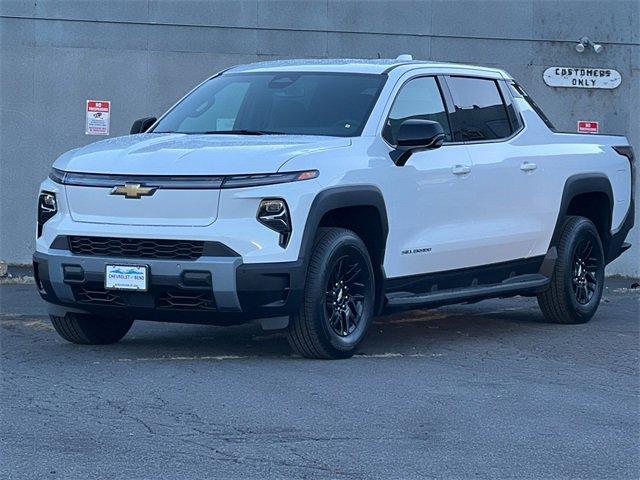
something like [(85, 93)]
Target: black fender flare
[(578, 185), (341, 197)]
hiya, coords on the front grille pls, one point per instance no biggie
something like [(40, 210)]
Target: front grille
[(137, 248)]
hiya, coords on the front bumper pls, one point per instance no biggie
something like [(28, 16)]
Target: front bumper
[(210, 289)]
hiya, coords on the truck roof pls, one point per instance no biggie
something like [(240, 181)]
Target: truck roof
[(354, 65)]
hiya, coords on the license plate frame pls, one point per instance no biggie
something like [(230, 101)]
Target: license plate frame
[(126, 282)]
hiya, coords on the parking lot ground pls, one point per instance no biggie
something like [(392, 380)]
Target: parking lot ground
[(472, 391)]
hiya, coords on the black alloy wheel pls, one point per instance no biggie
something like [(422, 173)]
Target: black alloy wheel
[(577, 283), (585, 264), (339, 297), (346, 288)]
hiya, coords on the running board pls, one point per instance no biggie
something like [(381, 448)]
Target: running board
[(522, 284)]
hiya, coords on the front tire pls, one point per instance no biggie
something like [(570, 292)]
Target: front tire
[(576, 286), (338, 302), (90, 330)]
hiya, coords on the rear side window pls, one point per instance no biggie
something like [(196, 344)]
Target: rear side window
[(419, 98), (480, 112)]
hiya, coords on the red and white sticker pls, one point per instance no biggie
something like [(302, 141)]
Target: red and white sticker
[(98, 115), (588, 127)]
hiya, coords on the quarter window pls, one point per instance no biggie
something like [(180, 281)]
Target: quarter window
[(480, 113), (419, 98), (517, 90)]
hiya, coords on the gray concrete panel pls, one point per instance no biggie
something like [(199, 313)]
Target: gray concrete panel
[(362, 45), (293, 14), (101, 11), (232, 13), (17, 7), (18, 136), (481, 52), (292, 43), (202, 39), (381, 16), (454, 18), (16, 82), (602, 21), (99, 35), (17, 32)]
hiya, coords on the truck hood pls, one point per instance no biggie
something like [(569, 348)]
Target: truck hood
[(181, 154)]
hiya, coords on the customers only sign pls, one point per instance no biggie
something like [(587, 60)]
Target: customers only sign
[(582, 77), (98, 117)]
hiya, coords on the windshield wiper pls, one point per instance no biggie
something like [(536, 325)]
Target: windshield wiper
[(239, 132), (230, 132)]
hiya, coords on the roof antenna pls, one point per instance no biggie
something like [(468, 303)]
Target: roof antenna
[(405, 57)]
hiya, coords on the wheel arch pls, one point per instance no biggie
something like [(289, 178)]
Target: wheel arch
[(360, 208), (589, 196)]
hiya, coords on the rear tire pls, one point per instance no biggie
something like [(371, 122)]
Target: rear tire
[(338, 302), (90, 330), (576, 286)]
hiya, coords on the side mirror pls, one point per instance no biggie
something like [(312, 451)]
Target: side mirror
[(142, 125), (415, 135)]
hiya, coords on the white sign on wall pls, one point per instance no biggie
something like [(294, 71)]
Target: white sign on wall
[(582, 77), (98, 119)]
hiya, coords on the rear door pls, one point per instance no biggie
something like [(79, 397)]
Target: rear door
[(506, 221)]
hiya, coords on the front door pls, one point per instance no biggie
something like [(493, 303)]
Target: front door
[(430, 200)]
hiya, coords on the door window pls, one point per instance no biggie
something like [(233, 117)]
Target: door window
[(419, 98), (480, 113)]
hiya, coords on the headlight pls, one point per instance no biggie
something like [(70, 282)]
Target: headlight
[(239, 181), (274, 214), (182, 181), (47, 208), (57, 176)]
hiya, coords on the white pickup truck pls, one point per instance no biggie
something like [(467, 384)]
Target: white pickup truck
[(316, 194)]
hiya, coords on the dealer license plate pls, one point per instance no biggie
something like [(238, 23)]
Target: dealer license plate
[(126, 277)]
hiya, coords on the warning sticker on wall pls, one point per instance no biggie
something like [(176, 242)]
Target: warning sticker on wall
[(588, 127), (98, 117)]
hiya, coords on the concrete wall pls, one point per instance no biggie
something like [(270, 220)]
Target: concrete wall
[(144, 54)]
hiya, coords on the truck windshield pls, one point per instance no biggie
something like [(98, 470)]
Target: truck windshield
[(333, 104)]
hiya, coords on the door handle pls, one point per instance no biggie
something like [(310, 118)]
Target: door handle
[(461, 169), (528, 167)]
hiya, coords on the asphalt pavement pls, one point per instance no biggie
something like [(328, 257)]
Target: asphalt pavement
[(475, 391)]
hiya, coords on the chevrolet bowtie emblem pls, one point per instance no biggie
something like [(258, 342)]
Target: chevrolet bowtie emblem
[(133, 190)]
